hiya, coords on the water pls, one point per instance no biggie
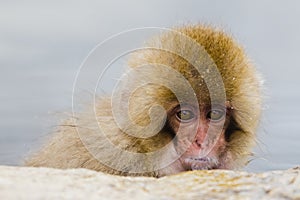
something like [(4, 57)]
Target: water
[(42, 46)]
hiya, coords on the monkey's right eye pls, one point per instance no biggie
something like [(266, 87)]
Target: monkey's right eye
[(185, 115)]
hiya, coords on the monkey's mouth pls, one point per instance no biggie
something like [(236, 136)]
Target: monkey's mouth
[(204, 163)]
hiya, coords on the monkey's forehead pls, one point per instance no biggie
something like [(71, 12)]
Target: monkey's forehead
[(206, 81)]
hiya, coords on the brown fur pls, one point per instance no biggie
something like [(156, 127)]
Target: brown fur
[(242, 84)]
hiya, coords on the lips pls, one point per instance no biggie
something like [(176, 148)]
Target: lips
[(204, 163)]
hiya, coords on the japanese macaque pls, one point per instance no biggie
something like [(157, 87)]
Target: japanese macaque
[(191, 100)]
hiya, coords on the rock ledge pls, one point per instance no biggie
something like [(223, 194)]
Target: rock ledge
[(46, 183)]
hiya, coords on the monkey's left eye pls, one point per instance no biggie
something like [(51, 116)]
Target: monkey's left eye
[(216, 115), (185, 115)]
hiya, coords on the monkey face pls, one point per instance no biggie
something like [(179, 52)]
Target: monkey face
[(192, 128)]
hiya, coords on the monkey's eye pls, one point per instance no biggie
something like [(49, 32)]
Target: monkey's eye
[(216, 115), (185, 115)]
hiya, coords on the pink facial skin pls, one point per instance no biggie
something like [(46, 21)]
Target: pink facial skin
[(193, 130)]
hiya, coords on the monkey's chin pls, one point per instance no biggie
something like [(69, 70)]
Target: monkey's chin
[(204, 163)]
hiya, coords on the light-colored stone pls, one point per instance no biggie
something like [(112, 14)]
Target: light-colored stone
[(45, 183)]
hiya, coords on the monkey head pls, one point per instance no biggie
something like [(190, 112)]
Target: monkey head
[(211, 95)]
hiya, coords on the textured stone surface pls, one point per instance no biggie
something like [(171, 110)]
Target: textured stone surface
[(44, 183)]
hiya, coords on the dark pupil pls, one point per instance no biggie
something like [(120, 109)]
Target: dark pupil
[(185, 115), (215, 114)]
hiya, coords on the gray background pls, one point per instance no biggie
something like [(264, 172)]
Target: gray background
[(42, 44)]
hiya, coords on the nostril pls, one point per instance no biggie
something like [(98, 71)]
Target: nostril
[(198, 143)]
